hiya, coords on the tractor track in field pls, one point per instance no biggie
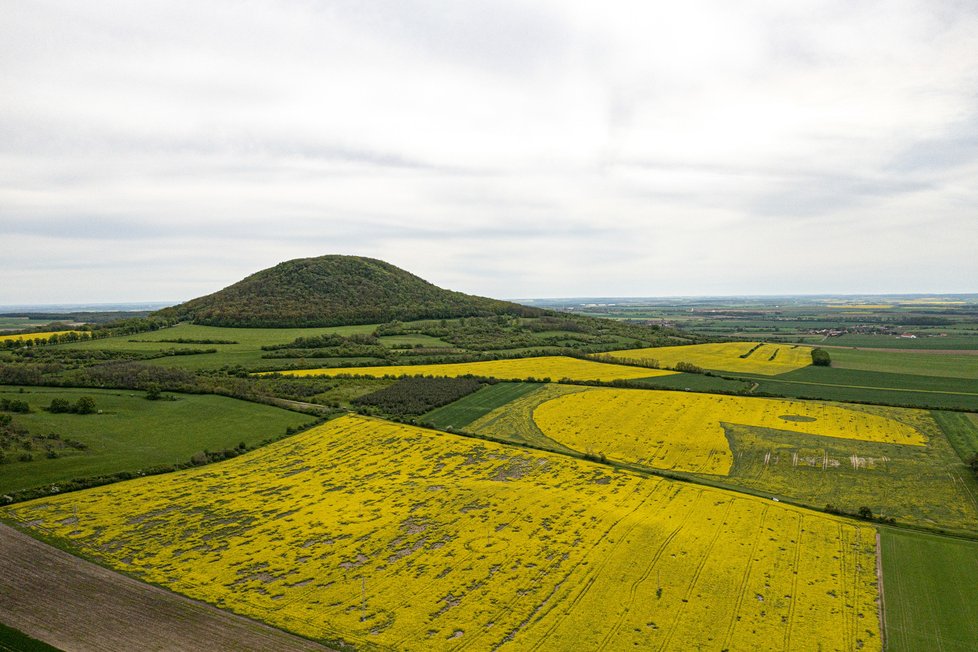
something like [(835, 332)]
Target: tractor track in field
[(73, 604)]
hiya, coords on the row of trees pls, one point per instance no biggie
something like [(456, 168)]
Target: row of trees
[(86, 333)]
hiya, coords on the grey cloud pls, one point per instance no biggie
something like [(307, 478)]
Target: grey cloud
[(825, 195), (958, 147)]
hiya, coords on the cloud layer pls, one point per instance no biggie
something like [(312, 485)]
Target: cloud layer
[(162, 150)]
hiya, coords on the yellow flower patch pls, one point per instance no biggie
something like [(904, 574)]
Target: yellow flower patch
[(382, 534), (684, 431), (766, 359), (552, 367)]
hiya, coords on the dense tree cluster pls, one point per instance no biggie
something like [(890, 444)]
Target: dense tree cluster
[(14, 405), (334, 291), (821, 358), (330, 346), (415, 396), (84, 405)]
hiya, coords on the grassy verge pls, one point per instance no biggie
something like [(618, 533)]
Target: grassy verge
[(929, 588)]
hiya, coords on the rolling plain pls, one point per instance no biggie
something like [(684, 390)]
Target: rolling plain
[(448, 472)]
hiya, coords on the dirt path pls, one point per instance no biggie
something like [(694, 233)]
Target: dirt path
[(76, 605)]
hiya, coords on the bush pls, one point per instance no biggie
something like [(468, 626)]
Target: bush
[(820, 358), (59, 406), (13, 405), (84, 405), (688, 367)]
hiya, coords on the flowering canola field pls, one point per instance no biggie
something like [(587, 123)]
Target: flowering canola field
[(766, 359), (386, 535), (684, 431), (553, 367), (33, 336)]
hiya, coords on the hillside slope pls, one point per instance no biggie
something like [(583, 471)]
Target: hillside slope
[(335, 291)]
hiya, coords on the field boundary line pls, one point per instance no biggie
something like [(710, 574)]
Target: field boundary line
[(879, 584)]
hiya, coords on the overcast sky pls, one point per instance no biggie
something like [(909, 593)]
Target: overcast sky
[(163, 150)]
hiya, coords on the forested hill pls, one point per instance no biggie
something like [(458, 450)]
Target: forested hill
[(335, 291)]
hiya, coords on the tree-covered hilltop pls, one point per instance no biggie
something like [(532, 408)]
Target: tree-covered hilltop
[(335, 291)]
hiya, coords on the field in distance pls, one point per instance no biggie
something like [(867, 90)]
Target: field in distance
[(539, 368), (376, 533), (744, 357)]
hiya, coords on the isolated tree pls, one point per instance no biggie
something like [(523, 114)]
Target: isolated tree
[(820, 358), (85, 405)]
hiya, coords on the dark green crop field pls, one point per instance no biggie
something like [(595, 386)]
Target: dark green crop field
[(466, 410), (929, 584), (834, 384), (961, 430)]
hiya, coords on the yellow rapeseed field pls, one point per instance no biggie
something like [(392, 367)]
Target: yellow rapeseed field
[(767, 359), (34, 336), (683, 431), (553, 367), (386, 535)]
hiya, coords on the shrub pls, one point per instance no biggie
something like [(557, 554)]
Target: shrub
[(820, 358), (84, 405), (59, 405)]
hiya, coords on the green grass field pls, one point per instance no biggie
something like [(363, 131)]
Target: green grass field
[(466, 410), (246, 352), (908, 362), (20, 323), (961, 430), (929, 589), (425, 341), (133, 433)]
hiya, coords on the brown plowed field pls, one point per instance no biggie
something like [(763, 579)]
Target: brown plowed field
[(75, 605)]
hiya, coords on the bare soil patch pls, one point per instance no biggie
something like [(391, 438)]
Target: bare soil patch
[(74, 604)]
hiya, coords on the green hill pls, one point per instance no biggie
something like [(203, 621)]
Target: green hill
[(335, 291)]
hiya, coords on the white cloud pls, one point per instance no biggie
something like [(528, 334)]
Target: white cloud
[(511, 149)]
